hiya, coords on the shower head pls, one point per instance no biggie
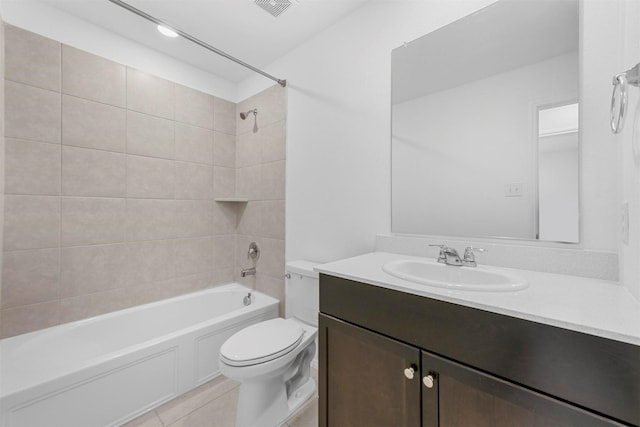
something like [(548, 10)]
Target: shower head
[(243, 116)]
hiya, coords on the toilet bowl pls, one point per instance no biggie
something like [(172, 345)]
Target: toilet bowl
[(271, 360)]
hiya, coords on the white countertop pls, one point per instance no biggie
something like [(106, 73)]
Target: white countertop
[(596, 307)]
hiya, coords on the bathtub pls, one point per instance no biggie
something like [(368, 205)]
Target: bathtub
[(109, 369)]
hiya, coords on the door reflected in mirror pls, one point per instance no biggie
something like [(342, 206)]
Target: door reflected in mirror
[(468, 155), (558, 171)]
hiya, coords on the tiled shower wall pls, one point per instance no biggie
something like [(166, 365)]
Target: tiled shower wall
[(260, 177), (111, 175)]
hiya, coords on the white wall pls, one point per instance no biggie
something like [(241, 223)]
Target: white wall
[(338, 141), (629, 16), (338, 176), (454, 151), (45, 20)]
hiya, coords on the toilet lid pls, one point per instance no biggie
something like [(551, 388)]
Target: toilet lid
[(261, 342)]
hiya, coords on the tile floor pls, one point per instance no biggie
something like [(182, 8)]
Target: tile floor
[(214, 405)]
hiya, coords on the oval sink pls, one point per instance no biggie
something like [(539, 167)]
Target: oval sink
[(431, 273)]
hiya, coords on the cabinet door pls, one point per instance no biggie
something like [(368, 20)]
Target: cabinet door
[(363, 381), (461, 396)]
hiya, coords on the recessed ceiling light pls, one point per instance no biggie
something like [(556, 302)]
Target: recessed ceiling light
[(167, 31)]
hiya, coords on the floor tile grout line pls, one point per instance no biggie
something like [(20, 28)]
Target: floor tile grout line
[(208, 402)]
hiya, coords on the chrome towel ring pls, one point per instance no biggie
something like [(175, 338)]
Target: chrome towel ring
[(621, 82)]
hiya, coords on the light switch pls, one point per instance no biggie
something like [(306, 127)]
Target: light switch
[(513, 189)]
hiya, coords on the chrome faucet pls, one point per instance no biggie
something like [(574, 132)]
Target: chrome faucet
[(448, 256), (469, 259), (248, 272)]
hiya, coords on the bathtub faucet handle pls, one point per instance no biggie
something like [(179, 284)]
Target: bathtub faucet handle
[(254, 251)]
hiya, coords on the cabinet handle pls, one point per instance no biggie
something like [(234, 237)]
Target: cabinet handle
[(428, 381), (410, 371)]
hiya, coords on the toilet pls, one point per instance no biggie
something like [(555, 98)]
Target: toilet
[(271, 359)]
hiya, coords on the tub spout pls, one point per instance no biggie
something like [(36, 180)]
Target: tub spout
[(248, 272)]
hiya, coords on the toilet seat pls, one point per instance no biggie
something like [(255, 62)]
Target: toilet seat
[(261, 342)]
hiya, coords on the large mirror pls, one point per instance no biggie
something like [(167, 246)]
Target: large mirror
[(485, 125)]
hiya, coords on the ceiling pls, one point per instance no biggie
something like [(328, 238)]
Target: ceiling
[(237, 27)]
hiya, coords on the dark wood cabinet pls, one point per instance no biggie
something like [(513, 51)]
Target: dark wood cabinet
[(462, 396), (365, 376), (384, 361)]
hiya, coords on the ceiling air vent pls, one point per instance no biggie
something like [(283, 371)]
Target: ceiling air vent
[(275, 8)]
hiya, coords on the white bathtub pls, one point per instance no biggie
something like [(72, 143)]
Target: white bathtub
[(108, 369)]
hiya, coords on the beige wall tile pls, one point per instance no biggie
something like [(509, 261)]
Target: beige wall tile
[(96, 173), (193, 282), (249, 182), (194, 218), (96, 303), (194, 144), (148, 177), (149, 219), (249, 218), (273, 140), (92, 220), (249, 149), (32, 167), (223, 276), (31, 222), (224, 150), (273, 287), (87, 269), (27, 318), (272, 218), (194, 181), (32, 59), (224, 249), (224, 116), (224, 181), (150, 94), (193, 256), (31, 113), (225, 218), (30, 277), (273, 180), (150, 136), (91, 124), (149, 262), (246, 126), (242, 250), (92, 77), (98, 273), (272, 257), (193, 107)]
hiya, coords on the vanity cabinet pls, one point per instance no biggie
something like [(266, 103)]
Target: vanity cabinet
[(388, 358)]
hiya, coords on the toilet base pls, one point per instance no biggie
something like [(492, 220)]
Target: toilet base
[(304, 393), (269, 409)]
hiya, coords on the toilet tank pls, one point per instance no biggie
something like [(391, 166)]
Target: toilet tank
[(301, 292)]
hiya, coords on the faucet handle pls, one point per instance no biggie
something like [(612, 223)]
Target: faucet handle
[(442, 257), (469, 256)]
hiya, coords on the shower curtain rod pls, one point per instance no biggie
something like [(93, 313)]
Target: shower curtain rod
[(192, 39)]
